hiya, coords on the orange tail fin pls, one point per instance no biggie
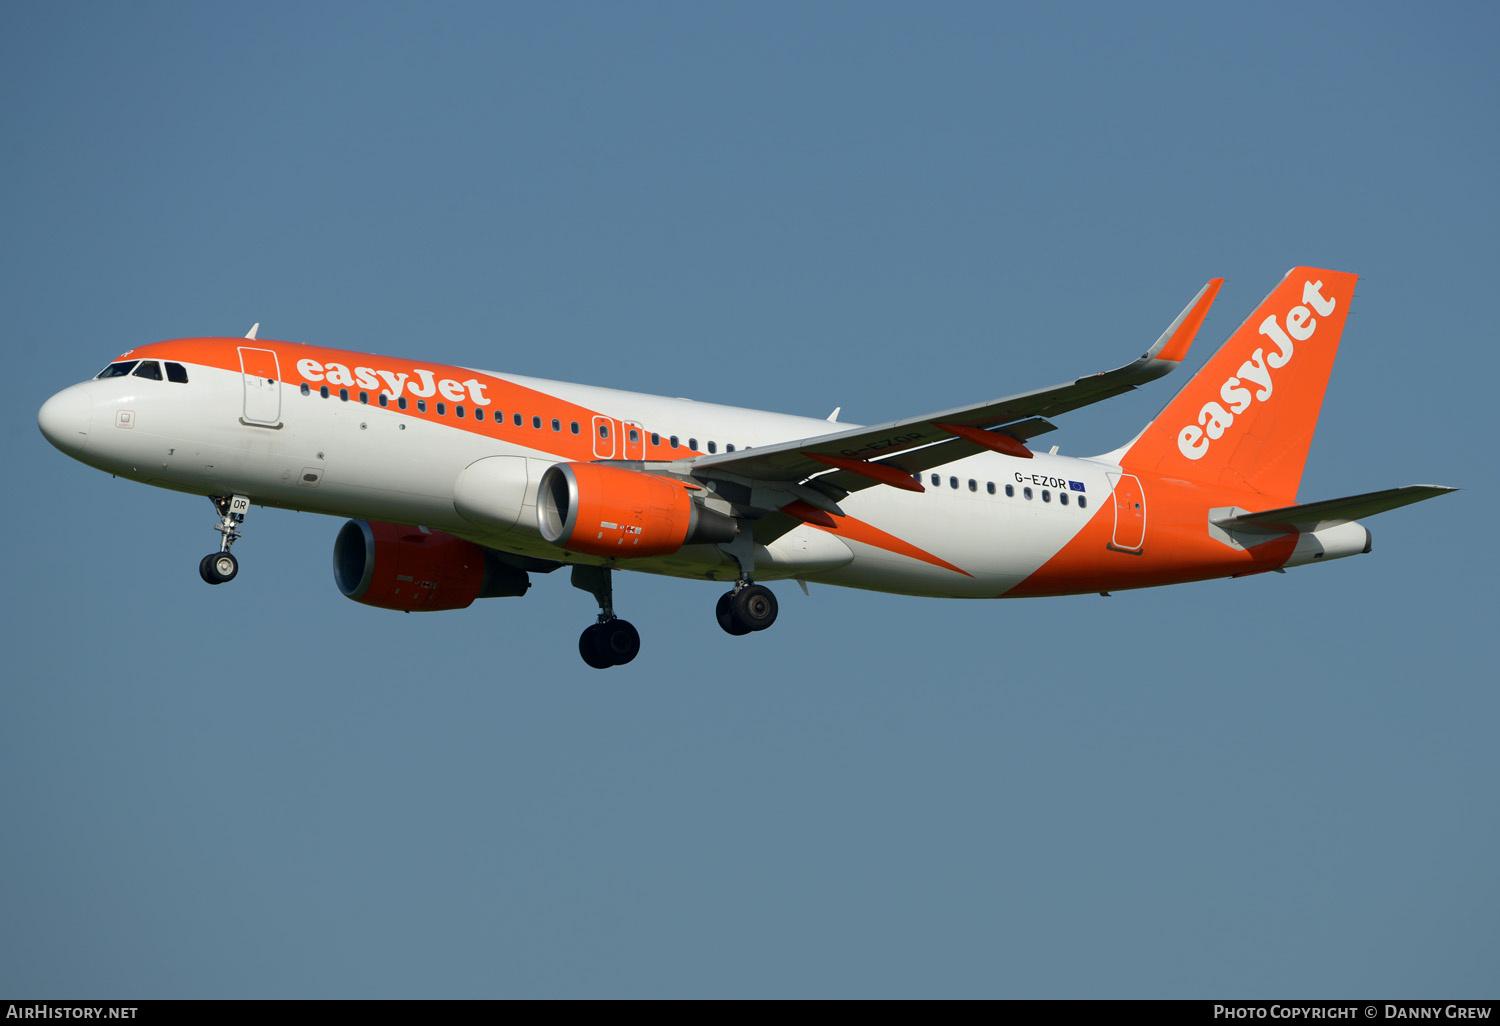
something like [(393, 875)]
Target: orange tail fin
[(1247, 418)]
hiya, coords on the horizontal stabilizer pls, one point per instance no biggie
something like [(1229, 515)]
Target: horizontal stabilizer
[(1352, 507)]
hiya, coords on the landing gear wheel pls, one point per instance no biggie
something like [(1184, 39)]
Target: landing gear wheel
[(619, 641), (725, 616), (612, 643), (754, 607), (218, 567), (588, 647)]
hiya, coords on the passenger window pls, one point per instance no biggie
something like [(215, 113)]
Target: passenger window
[(952, 482), (655, 438), (1062, 497), (692, 443), (603, 430), (401, 402), (729, 447), (556, 424), (1046, 495), (178, 373), (516, 420), (421, 405), (573, 427), (990, 487), (673, 441), (973, 485), (442, 409), (306, 390), (323, 391), (385, 400), (458, 411), (936, 481), (117, 370), (1010, 491), (1083, 502), (713, 447), (364, 397), (536, 422), (479, 413), (635, 436), (1026, 492), (344, 394)]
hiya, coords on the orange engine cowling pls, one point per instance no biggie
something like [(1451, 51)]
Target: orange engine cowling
[(395, 566), (611, 511)]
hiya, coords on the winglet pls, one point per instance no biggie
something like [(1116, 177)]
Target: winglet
[(1175, 341), (253, 329)]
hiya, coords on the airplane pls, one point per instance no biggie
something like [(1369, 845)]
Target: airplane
[(460, 483)]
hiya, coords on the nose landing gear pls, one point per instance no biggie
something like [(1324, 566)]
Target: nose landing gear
[(221, 567)]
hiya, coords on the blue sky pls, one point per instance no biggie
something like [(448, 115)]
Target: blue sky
[(1281, 786)]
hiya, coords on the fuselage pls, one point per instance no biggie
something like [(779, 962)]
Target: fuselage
[(462, 451)]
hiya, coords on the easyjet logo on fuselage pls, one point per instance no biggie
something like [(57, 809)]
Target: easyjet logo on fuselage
[(1214, 418), (423, 383)]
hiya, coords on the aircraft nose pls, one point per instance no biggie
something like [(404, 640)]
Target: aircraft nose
[(64, 419)]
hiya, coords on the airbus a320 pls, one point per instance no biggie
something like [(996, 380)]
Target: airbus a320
[(460, 483)]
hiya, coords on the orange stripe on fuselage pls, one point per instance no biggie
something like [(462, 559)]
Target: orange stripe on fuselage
[(498, 394), (1177, 546), (501, 395), (857, 530)]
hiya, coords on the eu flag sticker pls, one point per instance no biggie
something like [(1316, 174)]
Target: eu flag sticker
[(1075, 486)]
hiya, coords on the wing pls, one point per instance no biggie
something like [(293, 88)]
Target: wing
[(891, 453)]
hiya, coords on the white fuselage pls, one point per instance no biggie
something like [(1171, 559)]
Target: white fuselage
[(284, 445)]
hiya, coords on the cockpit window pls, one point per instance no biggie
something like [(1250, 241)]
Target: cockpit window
[(177, 372), (148, 369), (117, 370)]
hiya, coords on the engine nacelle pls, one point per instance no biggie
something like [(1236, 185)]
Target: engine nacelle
[(609, 511), (395, 566)]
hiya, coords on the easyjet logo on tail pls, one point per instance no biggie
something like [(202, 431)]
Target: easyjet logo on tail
[(1253, 383)]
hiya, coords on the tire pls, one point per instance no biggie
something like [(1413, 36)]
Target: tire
[(754, 607), (619, 641), (218, 567), (590, 649), (725, 616)]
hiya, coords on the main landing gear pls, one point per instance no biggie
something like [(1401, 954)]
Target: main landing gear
[(610, 641), (220, 567), (748, 607)]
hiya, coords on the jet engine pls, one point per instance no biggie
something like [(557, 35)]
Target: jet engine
[(627, 514), (395, 566)]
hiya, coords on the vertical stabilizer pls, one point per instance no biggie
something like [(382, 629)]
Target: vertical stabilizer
[(1245, 420)]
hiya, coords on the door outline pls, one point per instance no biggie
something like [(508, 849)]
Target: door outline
[(604, 443), (260, 370), (634, 448), (1130, 514)]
